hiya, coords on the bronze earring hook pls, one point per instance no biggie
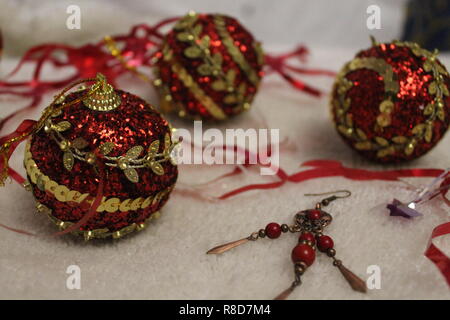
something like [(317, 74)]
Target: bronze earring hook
[(334, 196)]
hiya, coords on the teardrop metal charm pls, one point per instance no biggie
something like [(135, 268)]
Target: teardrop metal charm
[(353, 280), (227, 246), (285, 293)]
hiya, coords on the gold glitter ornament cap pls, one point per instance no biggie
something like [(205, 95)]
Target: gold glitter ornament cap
[(102, 96)]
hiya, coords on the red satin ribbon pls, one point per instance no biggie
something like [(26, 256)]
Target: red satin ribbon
[(331, 168), (90, 59), (441, 261), (279, 64), (87, 60), (95, 203), (444, 191)]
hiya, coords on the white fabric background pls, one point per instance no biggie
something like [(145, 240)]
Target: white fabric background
[(168, 260)]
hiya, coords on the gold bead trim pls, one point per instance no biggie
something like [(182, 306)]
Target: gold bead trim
[(102, 96), (385, 147), (97, 233), (63, 194)]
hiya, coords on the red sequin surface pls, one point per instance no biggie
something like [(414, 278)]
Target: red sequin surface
[(181, 94), (368, 91), (133, 123)]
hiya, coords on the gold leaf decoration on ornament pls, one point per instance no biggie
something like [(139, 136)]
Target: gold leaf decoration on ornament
[(219, 85), (68, 160), (107, 147), (363, 145), (193, 52), (153, 149), (184, 36), (347, 103), (187, 21), (197, 30), (79, 143), (134, 152), (381, 141), (242, 89), (427, 66), (432, 88), (157, 168), (231, 75), (217, 58), (445, 90), (56, 113), (418, 129), (429, 109), (409, 148), (345, 131), (204, 42), (131, 175), (440, 114), (230, 99), (62, 126), (440, 69), (167, 53), (167, 143), (361, 134), (386, 106), (384, 119), (204, 69), (385, 152), (400, 139), (429, 132)]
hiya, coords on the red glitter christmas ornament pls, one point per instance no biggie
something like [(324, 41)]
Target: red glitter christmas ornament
[(391, 102), (209, 67), (99, 161)]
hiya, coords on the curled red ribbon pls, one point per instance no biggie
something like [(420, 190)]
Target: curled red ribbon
[(331, 168), (440, 260), (137, 50), (87, 60), (279, 64)]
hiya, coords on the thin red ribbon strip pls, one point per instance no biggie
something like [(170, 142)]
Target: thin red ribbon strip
[(440, 260), (331, 168), (279, 64)]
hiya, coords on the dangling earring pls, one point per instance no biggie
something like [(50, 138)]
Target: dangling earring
[(310, 224)]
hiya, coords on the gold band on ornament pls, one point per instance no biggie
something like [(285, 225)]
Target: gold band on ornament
[(63, 194), (97, 233), (198, 93), (234, 51)]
